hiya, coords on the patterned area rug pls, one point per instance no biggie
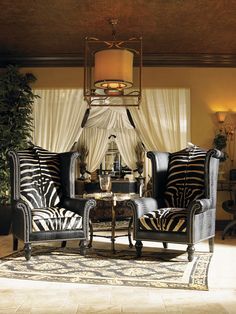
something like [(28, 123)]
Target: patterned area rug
[(161, 269), (106, 225)]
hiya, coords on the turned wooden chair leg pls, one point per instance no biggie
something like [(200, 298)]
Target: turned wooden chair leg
[(63, 244), (211, 245), (27, 249), (190, 251), (15, 243), (83, 247), (165, 245), (138, 247)]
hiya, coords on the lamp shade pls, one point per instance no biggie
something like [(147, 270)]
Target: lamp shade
[(221, 115), (113, 69)]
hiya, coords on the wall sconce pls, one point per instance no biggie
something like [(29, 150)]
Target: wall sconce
[(226, 122), (225, 139), (221, 115), (108, 71)]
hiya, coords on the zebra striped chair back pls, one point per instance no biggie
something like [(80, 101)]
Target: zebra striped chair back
[(44, 207), (185, 177), (40, 177)]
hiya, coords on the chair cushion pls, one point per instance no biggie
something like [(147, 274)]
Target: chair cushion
[(185, 182), (55, 218), (165, 219)]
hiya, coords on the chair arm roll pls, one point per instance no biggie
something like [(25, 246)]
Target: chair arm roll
[(200, 206), (142, 205), (23, 207), (80, 206)]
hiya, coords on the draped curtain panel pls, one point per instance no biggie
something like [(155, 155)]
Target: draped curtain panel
[(162, 123), (57, 118), (96, 141), (163, 119), (101, 123), (108, 118), (127, 141)]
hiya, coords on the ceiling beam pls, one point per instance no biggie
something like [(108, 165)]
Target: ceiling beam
[(149, 60)]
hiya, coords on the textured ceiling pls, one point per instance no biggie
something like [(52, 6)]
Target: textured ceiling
[(174, 32)]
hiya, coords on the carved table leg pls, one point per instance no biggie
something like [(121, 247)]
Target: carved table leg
[(129, 232), (113, 226)]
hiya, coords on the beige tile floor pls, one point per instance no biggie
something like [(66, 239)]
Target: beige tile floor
[(19, 296)]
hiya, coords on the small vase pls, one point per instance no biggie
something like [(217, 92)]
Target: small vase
[(105, 182), (82, 171), (140, 171)]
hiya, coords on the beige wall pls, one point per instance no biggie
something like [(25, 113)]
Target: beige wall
[(212, 89)]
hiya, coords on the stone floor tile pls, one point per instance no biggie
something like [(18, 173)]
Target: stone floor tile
[(22, 296), (100, 309)]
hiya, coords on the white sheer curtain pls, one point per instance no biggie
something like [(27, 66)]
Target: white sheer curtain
[(163, 120), (108, 118), (57, 118), (100, 124), (162, 123), (96, 141), (127, 141)]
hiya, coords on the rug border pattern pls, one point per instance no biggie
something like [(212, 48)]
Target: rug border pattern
[(198, 277)]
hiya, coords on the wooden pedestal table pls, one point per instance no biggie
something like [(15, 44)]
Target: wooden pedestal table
[(114, 198)]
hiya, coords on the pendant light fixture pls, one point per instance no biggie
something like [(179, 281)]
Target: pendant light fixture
[(109, 75)]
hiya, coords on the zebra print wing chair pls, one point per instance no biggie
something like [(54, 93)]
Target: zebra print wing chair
[(44, 207), (183, 203)]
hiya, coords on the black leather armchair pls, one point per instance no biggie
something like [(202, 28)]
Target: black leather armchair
[(43, 203), (183, 203)]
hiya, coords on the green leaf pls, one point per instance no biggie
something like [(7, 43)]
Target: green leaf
[(16, 123)]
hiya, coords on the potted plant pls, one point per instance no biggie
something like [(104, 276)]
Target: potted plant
[(220, 143), (16, 100)]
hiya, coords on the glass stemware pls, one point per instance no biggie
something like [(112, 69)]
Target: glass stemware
[(105, 182)]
